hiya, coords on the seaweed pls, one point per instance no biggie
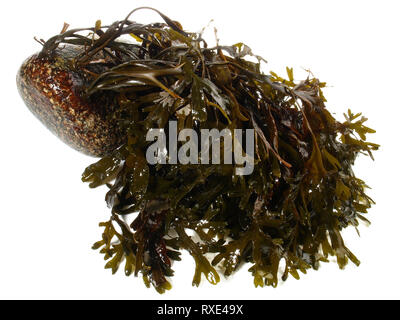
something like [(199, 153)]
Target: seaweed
[(290, 211)]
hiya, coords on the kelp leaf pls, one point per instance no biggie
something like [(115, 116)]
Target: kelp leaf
[(199, 111), (139, 169), (203, 266), (102, 171)]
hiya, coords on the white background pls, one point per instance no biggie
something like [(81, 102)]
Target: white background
[(48, 217)]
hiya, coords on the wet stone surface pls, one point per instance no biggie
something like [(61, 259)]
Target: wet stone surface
[(53, 93)]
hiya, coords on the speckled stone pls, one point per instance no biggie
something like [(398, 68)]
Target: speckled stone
[(53, 93)]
